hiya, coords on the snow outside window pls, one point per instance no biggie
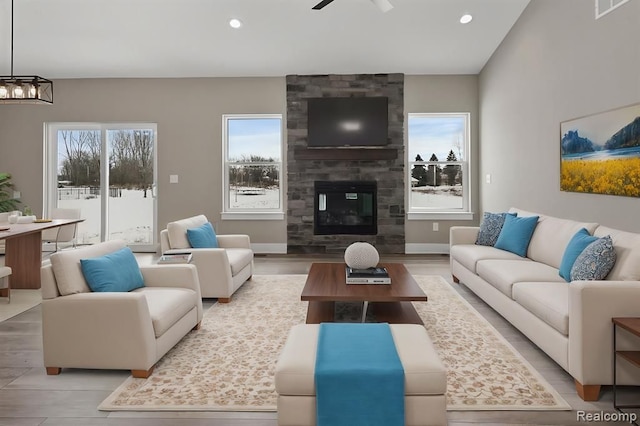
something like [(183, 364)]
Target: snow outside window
[(252, 166), (438, 171)]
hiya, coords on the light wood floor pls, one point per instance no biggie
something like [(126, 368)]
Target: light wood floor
[(28, 397)]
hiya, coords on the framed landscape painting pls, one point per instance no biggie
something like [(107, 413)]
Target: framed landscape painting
[(600, 153)]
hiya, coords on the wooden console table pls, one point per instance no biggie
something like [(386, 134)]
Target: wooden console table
[(23, 250)]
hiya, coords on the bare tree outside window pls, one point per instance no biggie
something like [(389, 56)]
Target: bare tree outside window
[(131, 160), (253, 163), (80, 157)]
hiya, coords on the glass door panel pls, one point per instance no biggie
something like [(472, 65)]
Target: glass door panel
[(77, 183), (131, 181)]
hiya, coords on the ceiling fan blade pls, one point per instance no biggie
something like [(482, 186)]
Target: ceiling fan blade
[(383, 5), (322, 4)]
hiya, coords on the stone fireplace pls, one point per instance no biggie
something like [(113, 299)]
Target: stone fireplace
[(308, 231)]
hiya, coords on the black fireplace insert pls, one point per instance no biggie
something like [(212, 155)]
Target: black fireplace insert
[(345, 207)]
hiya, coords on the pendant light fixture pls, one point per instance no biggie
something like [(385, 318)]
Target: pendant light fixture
[(24, 89)]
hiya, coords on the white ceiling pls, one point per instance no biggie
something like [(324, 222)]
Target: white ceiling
[(192, 38)]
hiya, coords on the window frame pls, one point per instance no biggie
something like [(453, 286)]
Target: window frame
[(439, 213), (229, 213), (613, 5)]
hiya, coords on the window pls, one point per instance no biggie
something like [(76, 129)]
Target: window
[(438, 172), (252, 152), (605, 6)]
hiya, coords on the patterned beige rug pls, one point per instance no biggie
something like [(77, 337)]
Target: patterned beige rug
[(228, 365)]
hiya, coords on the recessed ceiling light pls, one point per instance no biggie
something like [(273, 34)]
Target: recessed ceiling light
[(465, 19), (235, 23)]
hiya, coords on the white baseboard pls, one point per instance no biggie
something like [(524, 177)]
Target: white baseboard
[(269, 248), (426, 248), (409, 248)]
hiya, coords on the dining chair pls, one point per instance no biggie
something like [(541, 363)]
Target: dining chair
[(5, 287), (62, 236)]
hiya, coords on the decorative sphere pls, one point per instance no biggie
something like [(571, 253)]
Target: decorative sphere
[(361, 256)]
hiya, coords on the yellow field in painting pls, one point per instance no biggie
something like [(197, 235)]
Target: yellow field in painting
[(620, 176)]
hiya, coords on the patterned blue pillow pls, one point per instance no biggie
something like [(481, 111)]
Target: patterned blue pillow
[(490, 228), (596, 260)]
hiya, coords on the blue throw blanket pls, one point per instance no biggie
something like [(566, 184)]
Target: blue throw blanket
[(359, 377)]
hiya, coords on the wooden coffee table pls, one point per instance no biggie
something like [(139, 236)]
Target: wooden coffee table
[(389, 302)]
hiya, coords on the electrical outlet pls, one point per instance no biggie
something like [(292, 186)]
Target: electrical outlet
[(487, 178), (17, 194), (436, 226), (173, 178)]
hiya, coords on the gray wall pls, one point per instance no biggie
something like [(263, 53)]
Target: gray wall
[(188, 113), (444, 93), (556, 64)]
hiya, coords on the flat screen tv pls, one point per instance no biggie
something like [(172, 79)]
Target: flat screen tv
[(347, 122)]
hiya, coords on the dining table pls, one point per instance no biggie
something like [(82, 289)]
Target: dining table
[(23, 250)]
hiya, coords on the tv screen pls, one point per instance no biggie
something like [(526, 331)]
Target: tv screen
[(348, 122)]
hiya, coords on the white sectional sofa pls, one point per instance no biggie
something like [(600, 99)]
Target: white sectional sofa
[(571, 322)]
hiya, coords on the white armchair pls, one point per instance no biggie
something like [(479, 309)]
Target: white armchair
[(222, 270), (114, 330)]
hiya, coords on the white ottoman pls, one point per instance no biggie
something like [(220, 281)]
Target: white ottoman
[(425, 376)]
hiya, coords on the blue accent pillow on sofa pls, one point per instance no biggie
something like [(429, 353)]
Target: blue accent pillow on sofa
[(596, 261), (576, 245), (203, 236), (516, 234), (490, 228), (113, 272)]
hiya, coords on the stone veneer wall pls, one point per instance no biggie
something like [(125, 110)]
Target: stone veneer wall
[(301, 173)]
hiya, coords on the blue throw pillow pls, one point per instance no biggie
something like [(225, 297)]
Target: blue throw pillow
[(117, 271), (490, 228), (596, 261), (202, 237), (576, 245), (516, 234)]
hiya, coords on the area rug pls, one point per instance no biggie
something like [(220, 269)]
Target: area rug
[(229, 364)]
